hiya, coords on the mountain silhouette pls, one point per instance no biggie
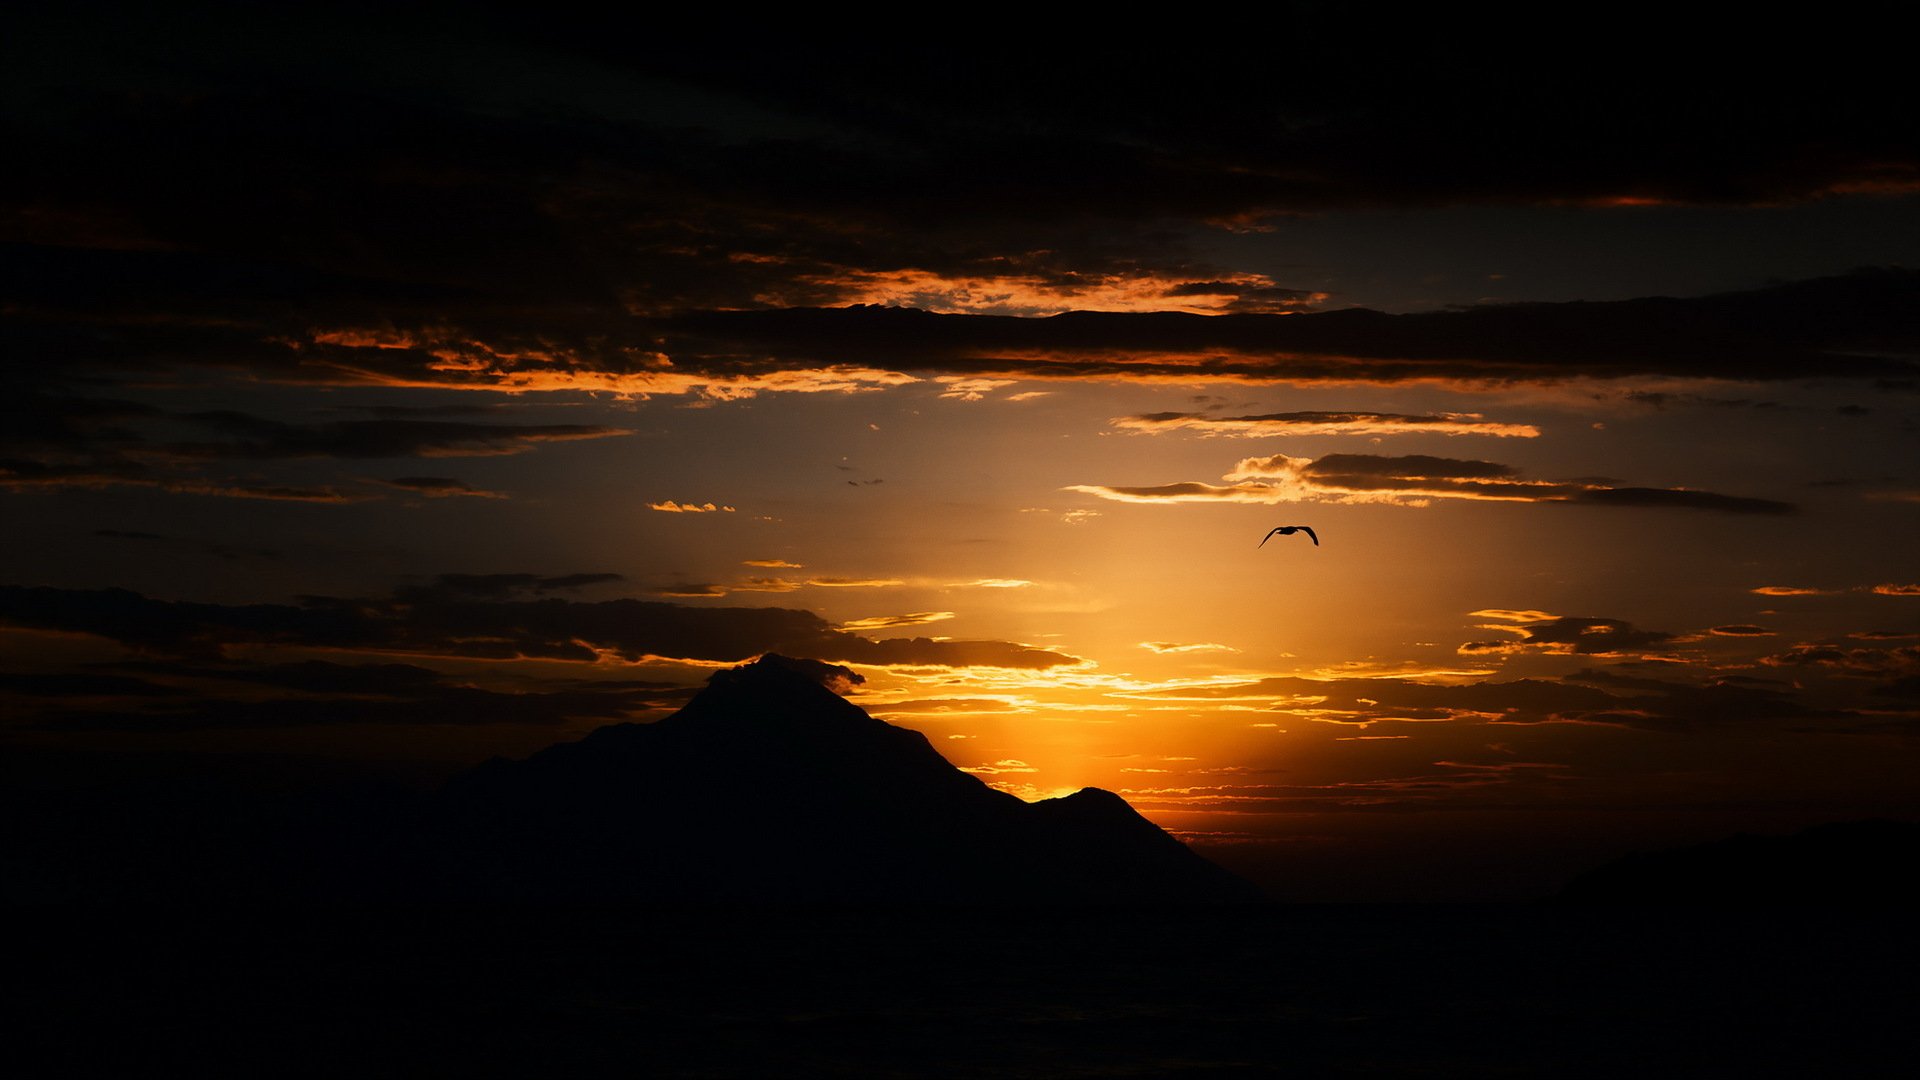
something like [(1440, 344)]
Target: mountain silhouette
[(768, 786), (1853, 863)]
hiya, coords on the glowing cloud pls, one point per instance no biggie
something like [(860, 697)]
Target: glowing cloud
[(887, 622), (1513, 616), (1166, 648), (1042, 291), (1414, 480), (1324, 423), (776, 585), (1009, 765), (451, 358), (960, 388), (671, 507)]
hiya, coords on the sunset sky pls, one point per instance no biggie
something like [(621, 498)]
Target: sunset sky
[(408, 394)]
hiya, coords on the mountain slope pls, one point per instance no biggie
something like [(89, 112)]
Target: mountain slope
[(769, 787)]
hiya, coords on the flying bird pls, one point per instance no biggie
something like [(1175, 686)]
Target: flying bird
[(1289, 530)]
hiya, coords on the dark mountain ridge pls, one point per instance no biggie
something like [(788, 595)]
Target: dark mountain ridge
[(768, 786)]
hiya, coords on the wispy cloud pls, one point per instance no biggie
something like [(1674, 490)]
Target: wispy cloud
[(56, 442), (1415, 480), (888, 622), (1007, 765), (961, 388), (1324, 423), (1867, 661), (441, 487), (254, 438), (1166, 648), (484, 617), (1568, 636), (1785, 331)]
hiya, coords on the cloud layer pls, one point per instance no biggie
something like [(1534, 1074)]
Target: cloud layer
[(1415, 479), (480, 616)]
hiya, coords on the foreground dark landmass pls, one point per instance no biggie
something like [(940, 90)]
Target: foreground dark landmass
[(766, 788), (585, 912), (769, 786), (1850, 863), (929, 991)]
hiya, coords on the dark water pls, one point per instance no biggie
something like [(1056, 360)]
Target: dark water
[(1427, 991)]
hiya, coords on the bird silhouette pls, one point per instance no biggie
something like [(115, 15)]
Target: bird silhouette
[(1289, 530)]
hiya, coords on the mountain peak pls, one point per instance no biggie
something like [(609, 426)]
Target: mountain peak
[(767, 786), (772, 669), (779, 704)]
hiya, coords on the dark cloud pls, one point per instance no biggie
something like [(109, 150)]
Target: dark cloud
[(254, 437), (1360, 111), (575, 581), (1576, 636), (1681, 499), (487, 201), (477, 616), (1361, 469), (1662, 704), (60, 440), (78, 684), (1903, 660), (1861, 324), (494, 586), (317, 693), (65, 441), (1660, 399), (202, 669), (440, 487), (1907, 687), (703, 589)]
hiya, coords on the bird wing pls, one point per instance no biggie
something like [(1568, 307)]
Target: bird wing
[(1269, 536), (1308, 529)]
